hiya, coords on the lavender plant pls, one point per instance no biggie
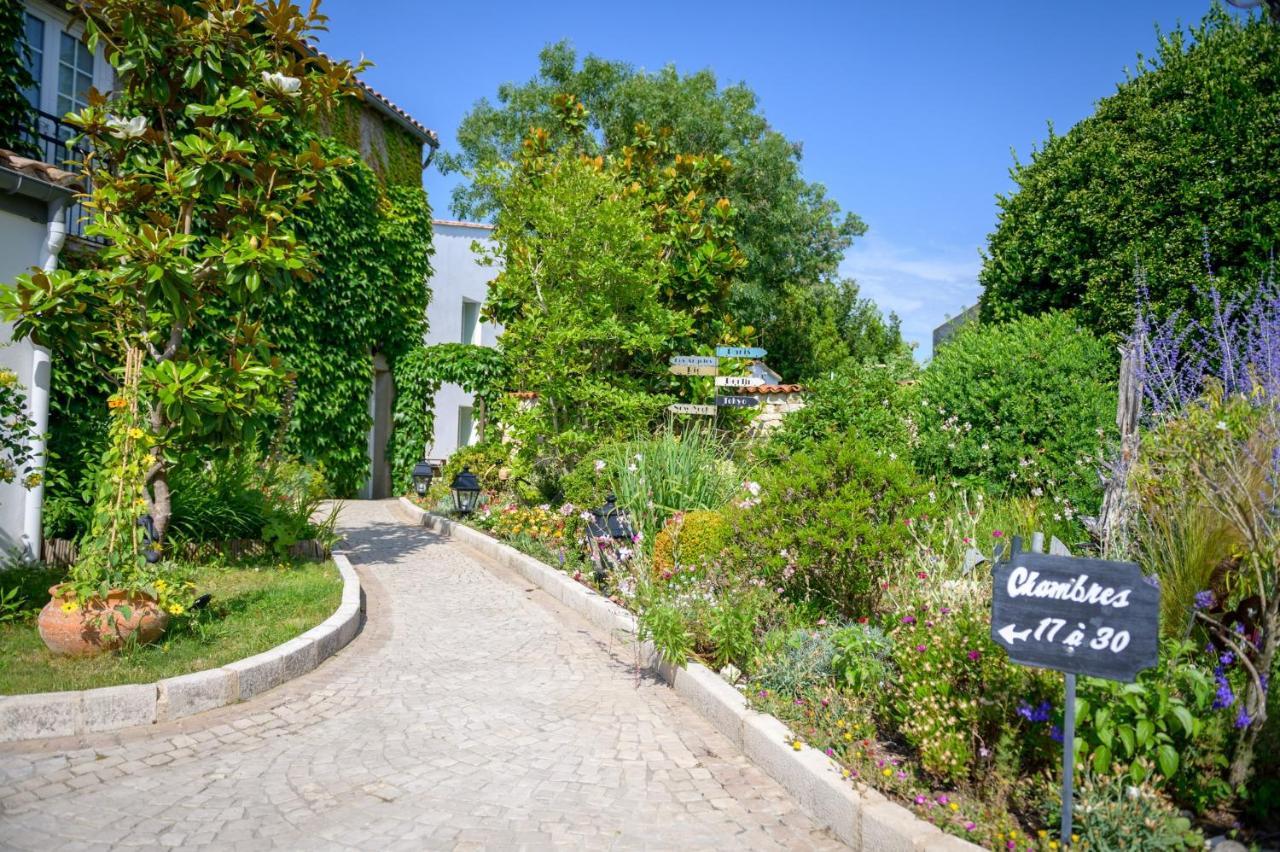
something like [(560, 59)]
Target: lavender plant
[(1215, 387)]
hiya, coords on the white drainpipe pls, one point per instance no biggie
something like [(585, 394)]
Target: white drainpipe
[(38, 383)]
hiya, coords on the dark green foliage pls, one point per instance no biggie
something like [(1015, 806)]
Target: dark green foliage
[(1019, 406), (873, 400), (792, 235), (828, 526), (15, 111), (1185, 150), (369, 295)]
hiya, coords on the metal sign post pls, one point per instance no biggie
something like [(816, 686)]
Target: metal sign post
[(1079, 616)]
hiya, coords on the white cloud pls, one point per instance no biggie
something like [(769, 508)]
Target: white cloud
[(923, 286)]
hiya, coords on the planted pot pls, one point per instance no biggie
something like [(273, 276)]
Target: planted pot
[(82, 629)]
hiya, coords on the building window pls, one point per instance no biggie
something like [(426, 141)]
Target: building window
[(75, 75), (33, 39), (465, 436), (470, 322)]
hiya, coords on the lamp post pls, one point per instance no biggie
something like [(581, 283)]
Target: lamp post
[(611, 536), (423, 472), (466, 491)]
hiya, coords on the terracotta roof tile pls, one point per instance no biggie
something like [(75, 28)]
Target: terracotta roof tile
[(40, 171), (773, 389)]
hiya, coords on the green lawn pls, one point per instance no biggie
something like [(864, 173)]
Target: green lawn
[(253, 609)]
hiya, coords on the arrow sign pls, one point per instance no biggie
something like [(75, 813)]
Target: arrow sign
[(686, 408), (738, 381), (1008, 633), (736, 401), (693, 369), (740, 352), (695, 360), (1081, 616)]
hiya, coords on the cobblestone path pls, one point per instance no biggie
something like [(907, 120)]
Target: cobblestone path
[(472, 712)]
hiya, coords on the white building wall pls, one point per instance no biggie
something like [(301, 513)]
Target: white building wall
[(22, 234), (457, 279)]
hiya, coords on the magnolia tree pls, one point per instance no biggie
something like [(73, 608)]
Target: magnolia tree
[(197, 163)]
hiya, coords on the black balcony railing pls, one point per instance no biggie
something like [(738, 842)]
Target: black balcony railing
[(50, 138)]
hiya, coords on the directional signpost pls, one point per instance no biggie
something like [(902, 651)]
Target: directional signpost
[(686, 408), (695, 361), (736, 401), (693, 369), (1079, 616), (738, 381), (740, 352)]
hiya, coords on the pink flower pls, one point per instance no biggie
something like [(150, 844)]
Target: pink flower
[(943, 800), (997, 533), (922, 574), (908, 619), (969, 826), (974, 655), (922, 648), (920, 800)]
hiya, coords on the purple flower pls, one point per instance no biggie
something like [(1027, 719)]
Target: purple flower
[(945, 610), (908, 619), (970, 826), (974, 655), (943, 800), (1227, 659), (1055, 733), (1243, 719), (1037, 714), (920, 800), (922, 648), (1225, 697), (1205, 599)]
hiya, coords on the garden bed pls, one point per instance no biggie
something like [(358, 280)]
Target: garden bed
[(252, 608)]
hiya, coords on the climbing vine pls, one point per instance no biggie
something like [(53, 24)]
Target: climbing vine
[(15, 111), (419, 374)]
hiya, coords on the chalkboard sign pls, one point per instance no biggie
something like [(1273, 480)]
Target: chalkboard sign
[(1082, 616)]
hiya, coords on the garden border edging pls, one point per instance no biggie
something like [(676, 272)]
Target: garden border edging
[(861, 817), (41, 715)]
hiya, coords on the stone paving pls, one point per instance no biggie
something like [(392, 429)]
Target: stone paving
[(472, 712)]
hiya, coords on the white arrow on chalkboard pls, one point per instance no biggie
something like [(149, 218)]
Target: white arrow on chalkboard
[(1009, 634), (738, 381)]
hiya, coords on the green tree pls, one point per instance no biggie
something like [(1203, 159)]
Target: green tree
[(1179, 161), (198, 165), (790, 233), (578, 294)]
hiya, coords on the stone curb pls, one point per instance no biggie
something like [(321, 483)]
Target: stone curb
[(861, 817), (62, 714)]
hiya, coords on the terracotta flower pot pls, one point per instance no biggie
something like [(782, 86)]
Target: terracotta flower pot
[(90, 629)]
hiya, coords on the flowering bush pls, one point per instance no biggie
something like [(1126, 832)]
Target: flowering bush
[(828, 525), (957, 698), (688, 540), (1117, 813), (1022, 407)]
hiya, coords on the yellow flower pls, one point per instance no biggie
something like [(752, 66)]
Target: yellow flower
[(848, 737), (70, 606), (161, 585), (176, 609), (954, 806), (844, 773), (136, 433), (1042, 833), (1053, 844), (1075, 838), (797, 745)]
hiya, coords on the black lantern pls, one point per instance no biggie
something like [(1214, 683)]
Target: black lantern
[(423, 471), (611, 537), (466, 491)]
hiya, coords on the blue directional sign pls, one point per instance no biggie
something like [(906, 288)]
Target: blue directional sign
[(740, 352)]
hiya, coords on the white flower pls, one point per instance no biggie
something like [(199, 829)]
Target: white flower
[(632, 467), (753, 488), (282, 84), (127, 128), (1221, 424), (600, 465), (893, 456), (639, 457), (624, 553)]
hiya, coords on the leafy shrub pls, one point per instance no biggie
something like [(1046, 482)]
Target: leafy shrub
[(956, 694), (1020, 407), (1161, 729), (487, 460), (688, 540), (1114, 814), (873, 401), (861, 661), (828, 524)]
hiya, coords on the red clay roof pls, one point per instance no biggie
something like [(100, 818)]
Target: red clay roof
[(40, 171), (773, 389)]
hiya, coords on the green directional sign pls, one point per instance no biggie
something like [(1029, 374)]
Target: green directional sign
[(740, 352)]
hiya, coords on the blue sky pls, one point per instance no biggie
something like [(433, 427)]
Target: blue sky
[(908, 112)]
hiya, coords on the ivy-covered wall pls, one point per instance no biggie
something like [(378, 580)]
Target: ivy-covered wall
[(15, 112), (393, 153)]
